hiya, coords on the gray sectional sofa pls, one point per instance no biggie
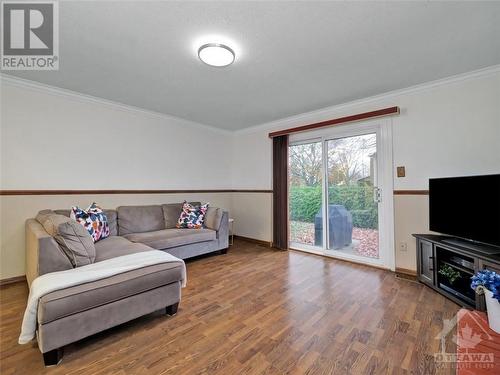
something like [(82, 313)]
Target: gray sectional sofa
[(70, 314)]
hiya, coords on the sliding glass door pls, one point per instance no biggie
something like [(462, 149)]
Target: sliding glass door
[(340, 193), (306, 194), (352, 195)]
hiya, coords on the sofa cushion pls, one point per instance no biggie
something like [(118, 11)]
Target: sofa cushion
[(171, 213), (73, 300), (110, 214), (72, 237), (167, 238), (116, 246), (138, 219)]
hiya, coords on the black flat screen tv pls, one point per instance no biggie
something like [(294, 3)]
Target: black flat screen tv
[(466, 207)]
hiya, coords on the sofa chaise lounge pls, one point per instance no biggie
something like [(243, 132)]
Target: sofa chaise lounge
[(68, 315)]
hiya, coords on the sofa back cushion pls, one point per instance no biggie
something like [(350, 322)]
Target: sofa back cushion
[(139, 219), (110, 214), (71, 236)]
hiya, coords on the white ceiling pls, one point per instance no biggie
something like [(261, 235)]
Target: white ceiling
[(292, 57)]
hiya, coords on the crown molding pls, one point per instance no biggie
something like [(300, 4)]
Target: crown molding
[(323, 113), (74, 95), (327, 112)]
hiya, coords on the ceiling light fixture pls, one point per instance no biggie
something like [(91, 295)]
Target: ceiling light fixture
[(216, 54)]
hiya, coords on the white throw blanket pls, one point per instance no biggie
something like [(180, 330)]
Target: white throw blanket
[(53, 281)]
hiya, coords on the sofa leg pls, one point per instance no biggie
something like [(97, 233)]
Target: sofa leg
[(223, 251), (54, 357), (172, 309)]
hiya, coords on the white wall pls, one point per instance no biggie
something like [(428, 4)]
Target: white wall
[(451, 127), (51, 139), (446, 128), (55, 141)]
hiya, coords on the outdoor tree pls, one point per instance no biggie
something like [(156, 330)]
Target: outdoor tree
[(305, 164), (348, 161)]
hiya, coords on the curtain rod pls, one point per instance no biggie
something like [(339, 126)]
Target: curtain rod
[(390, 111)]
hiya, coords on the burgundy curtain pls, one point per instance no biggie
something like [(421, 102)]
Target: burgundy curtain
[(280, 192)]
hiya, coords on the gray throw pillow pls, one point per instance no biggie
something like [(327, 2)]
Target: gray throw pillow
[(71, 236)]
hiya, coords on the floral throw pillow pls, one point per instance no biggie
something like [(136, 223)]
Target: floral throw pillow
[(192, 217), (93, 220)]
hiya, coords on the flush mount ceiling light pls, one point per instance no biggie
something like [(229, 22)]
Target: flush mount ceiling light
[(216, 54)]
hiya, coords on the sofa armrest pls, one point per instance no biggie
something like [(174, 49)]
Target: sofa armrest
[(213, 218), (217, 219), (43, 254), (223, 232)]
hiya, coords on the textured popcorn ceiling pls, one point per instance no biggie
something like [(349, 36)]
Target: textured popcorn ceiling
[(292, 57)]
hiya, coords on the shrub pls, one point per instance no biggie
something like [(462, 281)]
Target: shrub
[(305, 203), (365, 218)]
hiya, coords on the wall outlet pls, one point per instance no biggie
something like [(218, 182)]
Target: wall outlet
[(403, 246)]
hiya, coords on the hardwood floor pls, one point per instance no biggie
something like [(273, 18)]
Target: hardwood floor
[(259, 311)]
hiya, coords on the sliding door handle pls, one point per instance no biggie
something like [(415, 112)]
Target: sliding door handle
[(377, 195)]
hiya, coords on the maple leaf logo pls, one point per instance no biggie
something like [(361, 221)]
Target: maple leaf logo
[(469, 339)]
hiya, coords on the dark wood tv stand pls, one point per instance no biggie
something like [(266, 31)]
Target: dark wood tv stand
[(436, 253)]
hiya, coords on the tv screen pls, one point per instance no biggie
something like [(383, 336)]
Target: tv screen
[(466, 207)]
